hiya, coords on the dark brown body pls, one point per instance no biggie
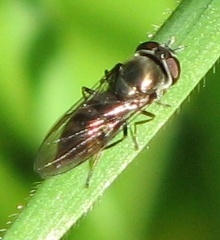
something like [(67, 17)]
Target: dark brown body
[(90, 126)]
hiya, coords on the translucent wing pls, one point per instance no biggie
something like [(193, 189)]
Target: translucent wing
[(71, 134)]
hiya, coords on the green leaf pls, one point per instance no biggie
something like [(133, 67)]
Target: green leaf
[(61, 200)]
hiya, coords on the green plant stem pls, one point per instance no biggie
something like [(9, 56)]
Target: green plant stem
[(60, 201)]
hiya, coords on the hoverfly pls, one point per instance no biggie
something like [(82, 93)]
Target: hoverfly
[(90, 125)]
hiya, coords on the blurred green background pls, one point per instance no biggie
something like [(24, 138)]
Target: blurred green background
[(48, 51)]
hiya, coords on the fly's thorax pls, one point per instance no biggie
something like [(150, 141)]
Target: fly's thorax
[(138, 78), (153, 69)]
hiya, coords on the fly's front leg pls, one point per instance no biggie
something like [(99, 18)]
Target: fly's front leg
[(162, 104), (109, 75), (134, 134), (116, 68), (112, 74)]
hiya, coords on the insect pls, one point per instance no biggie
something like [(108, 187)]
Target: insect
[(90, 125)]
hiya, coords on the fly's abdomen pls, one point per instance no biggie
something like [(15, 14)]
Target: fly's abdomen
[(84, 135)]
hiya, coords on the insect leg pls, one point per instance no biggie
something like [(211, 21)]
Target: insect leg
[(87, 92), (116, 68), (92, 163), (125, 134), (112, 74), (161, 103), (134, 134)]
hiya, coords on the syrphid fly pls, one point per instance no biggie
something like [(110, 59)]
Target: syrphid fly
[(91, 124)]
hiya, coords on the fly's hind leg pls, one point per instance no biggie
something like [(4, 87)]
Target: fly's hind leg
[(125, 134), (92, 163)]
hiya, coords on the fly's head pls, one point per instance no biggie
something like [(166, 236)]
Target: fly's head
[(165, 59)]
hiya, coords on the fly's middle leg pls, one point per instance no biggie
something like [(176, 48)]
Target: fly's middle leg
[(134, 133)]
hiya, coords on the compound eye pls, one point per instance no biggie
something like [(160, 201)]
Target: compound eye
[(174, 68), (147, 46), (160, 53)]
